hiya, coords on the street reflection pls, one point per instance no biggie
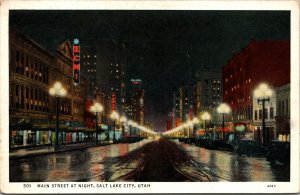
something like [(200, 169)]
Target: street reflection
[(228, 166), (79, 165)]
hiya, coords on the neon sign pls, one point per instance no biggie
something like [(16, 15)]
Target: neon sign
[(113, 101), (76, 61)]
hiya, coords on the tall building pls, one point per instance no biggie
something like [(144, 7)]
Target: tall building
[(208, 94), (186, 103), (260, 61), (111, 70), (176, 109), (89, 68), (148, 124), (135, 102), (33, 70), (208, 89)]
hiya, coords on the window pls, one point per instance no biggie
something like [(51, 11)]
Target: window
[(279, 108), (27, 92), (286, 107), (17, 56), (22, 58), (17, 90), (271, 112), (282, 108), (266, 113), (260, 114)]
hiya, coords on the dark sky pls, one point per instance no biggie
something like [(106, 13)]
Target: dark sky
[(159, 41)]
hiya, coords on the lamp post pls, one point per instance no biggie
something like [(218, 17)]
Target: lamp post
[(205, 116), (123, 120), (114, 115), (223, 109), (57, 91), (189, 124), (130, 123), (263, 93), (96, 109), (195, 121)]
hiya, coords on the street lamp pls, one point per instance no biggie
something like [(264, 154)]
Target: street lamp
[(205, 116), (57, 91), (130, 123), (263, 93), (223, 109), (114, 115), (123, 120), (96, 109)]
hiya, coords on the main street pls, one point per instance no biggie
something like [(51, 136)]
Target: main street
[(148, 160)]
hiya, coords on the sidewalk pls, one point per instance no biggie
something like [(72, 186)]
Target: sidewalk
[(42, 150)]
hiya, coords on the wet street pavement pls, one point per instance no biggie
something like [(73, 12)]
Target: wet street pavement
[(80, 165), (228, 166), (148, 160)]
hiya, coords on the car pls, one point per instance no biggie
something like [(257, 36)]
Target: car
[(250, 148), (190, 140), (202, 141), (278, 153)]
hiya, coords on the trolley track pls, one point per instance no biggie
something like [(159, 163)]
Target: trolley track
[(160, 160)]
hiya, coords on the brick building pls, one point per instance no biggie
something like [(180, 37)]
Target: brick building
[(260, 61), (33, 70)]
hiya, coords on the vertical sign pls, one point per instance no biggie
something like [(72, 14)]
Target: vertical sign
[(113, 101), (76, 61)]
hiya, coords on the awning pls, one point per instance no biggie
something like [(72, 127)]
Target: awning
[(226, 129), (201, 132)]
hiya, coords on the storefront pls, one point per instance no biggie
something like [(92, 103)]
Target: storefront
[(31, 137)]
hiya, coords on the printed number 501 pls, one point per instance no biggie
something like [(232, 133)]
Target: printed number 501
[(27, 185)]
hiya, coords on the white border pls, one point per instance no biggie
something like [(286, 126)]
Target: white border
[(156, 187)]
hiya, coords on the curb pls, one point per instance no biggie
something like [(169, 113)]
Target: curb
[(53, 152)]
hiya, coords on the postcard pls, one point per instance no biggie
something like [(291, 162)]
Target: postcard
[(149, 97)]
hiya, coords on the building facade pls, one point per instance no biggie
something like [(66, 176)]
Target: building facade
[(33, 71), (89, 68), (135, 102), (111, 70), (29, 71), (283, 110), (176, 109), (260, 62), (186, 103), (208, 90)]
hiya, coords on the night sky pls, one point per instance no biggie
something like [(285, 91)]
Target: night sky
[(159, 41)]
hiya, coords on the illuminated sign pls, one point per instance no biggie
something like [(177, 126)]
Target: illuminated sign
[(240, 127), (136, 81), (76, 61), (113, 102)]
